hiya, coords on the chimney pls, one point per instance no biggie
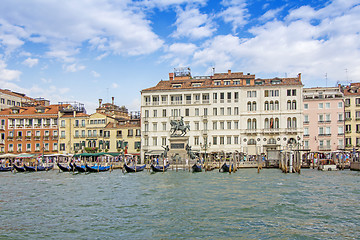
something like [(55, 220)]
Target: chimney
[(100, 101), (171, 76), (299, 77), (229, 72), (112, 100)]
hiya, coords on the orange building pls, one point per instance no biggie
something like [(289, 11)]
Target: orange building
[(31, 129)]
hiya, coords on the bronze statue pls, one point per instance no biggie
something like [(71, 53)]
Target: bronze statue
[(178, 125)]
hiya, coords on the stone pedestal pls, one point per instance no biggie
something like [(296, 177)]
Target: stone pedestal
[(178, 146)]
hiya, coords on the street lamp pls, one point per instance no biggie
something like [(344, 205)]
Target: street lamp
[(205, 146)]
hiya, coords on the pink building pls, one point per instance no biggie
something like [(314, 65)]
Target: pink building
[(323, 119)]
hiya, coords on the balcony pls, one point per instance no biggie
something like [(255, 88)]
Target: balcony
[(10, 138), (271, 131), (306, 122), (188, 102), (176, 102), (19, 138), (325, 148), (55, 137), (291, 130), (306, 135), (155, 103), (206, 101), (164, 103), (46, 138), (37, 138), (348, 119), (251, 131), (27, 138), (340, 147)]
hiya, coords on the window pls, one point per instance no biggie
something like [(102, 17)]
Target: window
[(28, 147), (154, 126), (221, 125), (214, 125), (217, 83), (62, 123), (229, 111), (154, 141), (155, 113), (236, 125), (321, 130), (327, 105), (306, 131), (321, 118), (196, 141), (328, 118), (163, 141), (130, 132), (321, 105), (164, 126), (348, 128), (340, 117), (55, 146), (197, 126), (215, 111), (164, 112), (196, 112), (214, 140), (236, 111), (236, 140), (229, 125), (205, 111), (228, 140), (62, 134), (222, 111), (306, 118), (187, 112), (306, 106), (222, 141), (146, 113), (340, 104)]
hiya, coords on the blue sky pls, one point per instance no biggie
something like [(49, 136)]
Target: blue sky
[(84, 50)]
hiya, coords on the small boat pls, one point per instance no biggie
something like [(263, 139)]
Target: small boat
[(196, 168), (5, 169), (327, 165), (38, 168), (131, 169), (81, 168), (97, 168), (19, 169), (226, 168), (158, 168), (66, 168)]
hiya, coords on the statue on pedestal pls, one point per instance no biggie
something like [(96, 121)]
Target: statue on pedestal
[(178, 125)]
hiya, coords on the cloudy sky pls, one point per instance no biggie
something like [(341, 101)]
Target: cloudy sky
[(84, 50)]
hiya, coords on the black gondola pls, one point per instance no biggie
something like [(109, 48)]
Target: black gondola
[(19, 169), (196, 168), (81, 168), (66, 168), (38, 168), (131, 169), (97, 168), (226, 168), (5, 169), (158, 168)]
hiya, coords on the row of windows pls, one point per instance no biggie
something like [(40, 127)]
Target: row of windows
[(94, 133), (324, 117), (30, 133), (30, 122), (321, 105), (81, 123), (216, 96), (10, 102), (251, 124), (325, 130), (28, 147)]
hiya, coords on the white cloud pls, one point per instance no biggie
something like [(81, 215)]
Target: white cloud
[(193, 24), (235, 13), (179, 54), (44, 80), (271, 14), (30, 62), (7, 74), (114, 85), (64, 27), (95, 74), (73, 68)]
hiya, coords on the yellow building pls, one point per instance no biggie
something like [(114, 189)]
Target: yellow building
[(352, 116), (125, 135)]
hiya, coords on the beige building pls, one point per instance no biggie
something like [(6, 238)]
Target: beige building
[(352, 116), (226, 112), (11, 99)]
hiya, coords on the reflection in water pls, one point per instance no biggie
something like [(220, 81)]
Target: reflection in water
[(180, 204)]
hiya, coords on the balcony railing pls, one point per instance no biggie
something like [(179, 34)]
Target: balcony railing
[(271, 130), (325, 148)]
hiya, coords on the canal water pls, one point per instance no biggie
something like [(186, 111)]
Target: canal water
[(180, 205)]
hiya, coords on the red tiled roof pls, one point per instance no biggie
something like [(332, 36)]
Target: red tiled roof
[(31, 111)]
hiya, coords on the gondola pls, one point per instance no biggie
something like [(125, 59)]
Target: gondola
[(97, 168), (80, 169), (19, 169), (131, 169), (159, 168), (66, 168), (5, 169), (226, 168), (196, 168), (38, 168)]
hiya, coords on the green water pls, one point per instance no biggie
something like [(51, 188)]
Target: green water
[(180, 205)]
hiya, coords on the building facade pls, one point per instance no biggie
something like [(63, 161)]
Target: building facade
[(324, 119), (29, 129), (12, 99), (352, 116), (226, 112)]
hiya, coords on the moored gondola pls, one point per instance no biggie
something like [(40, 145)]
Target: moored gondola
[(64, 169), (196, 168), (131, 169), (19, 169), (158, 168), (38, 168), (97, 168), (5, 169), (80, 169), (226, 168)]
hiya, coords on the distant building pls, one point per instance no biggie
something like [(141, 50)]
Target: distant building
[(12, 99), (226, 112), (29, 129), (323, 119), (352, 116)]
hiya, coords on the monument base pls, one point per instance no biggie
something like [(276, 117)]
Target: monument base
[(177, 152)]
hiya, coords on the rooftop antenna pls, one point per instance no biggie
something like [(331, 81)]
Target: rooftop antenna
[(326, 79)]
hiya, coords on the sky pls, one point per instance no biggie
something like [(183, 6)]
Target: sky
[(84, 50)]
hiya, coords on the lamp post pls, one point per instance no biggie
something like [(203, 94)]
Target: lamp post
[(205, 146)]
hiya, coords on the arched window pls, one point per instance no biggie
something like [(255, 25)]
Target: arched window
[(267, 123), (254, 106), (266, 107), (276, 105), (289, 123), (294, 123), (289, 105), (254, 123), (271, 105), (276, 123), (294, 105), (249, 106), (272, 141), (89, 143), (249, 123), (271, 122)]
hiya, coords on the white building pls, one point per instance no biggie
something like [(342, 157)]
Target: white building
[(10, 99), (228, 111)]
